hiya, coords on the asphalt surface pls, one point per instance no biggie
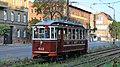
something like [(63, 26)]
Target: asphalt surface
[(94, 44), (15, 51)]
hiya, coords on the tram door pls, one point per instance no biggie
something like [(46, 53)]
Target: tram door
[(60, 39)]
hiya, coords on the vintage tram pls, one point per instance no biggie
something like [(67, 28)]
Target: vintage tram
[(55, 38)]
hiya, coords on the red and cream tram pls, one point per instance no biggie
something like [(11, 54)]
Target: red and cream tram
[(58, 38)]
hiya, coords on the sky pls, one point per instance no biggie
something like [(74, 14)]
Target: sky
[(100, 5)]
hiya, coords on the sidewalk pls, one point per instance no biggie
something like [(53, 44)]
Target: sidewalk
[(16, 44)]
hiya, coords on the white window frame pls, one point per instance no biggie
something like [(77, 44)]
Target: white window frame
[(20, 2), (13, 2), (24, 33), (12, 16), (25, 3), (25, 18), (18, 33), (50, 38), (19, 17), (5, 15)]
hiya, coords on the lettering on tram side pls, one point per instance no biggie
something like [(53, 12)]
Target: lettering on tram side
[(41, 48)]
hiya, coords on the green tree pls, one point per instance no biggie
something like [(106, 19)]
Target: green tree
[(118, 30), (33, 22), (50, 8), (4, 29), (114, 30), (30, 24)]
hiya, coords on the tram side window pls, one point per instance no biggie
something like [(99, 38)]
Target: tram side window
[(55, 33), (69, 34), (59, 33), (47, 33), (52, 32), (65, 33), (80, 34), (73, 33), (41, 33), (36, 34), (77, 34), (84, 34)]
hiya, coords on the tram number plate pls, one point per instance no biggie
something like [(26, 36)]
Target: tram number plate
[(40, 48)]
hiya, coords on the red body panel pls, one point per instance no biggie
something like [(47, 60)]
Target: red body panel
[(72, 45), (45, 47)]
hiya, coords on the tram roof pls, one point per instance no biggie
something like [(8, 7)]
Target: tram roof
[(50, 22)]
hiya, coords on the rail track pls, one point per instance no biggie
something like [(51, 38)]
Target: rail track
[(102, 56), (89, 58)]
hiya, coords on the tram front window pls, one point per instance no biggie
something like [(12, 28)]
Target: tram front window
[(41, 33), (45, 33)]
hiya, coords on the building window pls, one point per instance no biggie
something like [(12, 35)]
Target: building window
[(13, 2), (25, 18), (31, 10), (35, 10), (20, 2), (25, 3), (24, 33), (99, 18), (4, 0), (12, 16), (5, 15), (18, 33), (18, 17)]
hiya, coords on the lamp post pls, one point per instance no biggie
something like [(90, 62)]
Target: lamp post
[(114, 12)]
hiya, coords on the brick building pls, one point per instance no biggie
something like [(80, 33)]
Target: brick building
[(102, 24), (32, 13), (14, 13), (80, 15)]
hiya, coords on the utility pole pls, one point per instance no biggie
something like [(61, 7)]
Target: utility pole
[(113, 21), (67, 9), (114, 12)]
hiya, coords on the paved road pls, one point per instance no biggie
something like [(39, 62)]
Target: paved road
[(93, 44), (25, 51), (15, 51)]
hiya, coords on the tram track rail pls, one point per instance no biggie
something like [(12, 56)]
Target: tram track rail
[(106, 61), (95, 57), (102, 51)]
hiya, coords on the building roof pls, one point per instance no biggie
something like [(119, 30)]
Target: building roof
[(107, 15), (80, 9)]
